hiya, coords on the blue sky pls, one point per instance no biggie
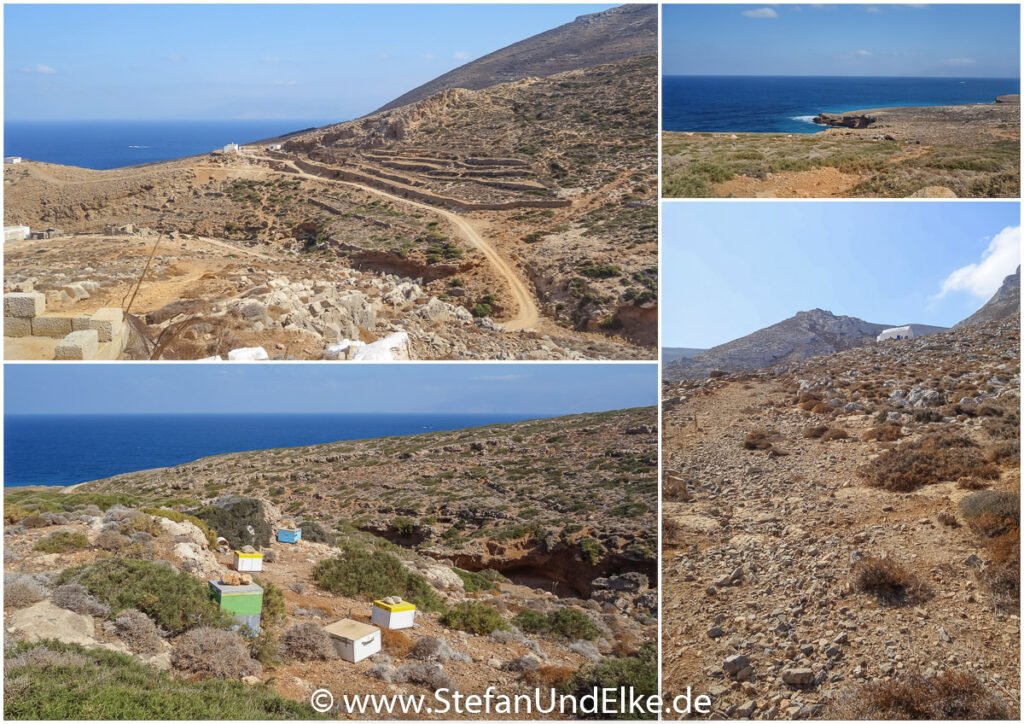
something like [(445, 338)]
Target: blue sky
[(729, 269), (168, 62), (320, 388), (961, 41)]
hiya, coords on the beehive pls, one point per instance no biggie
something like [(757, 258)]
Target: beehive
[(244, 603), (353, 640), (247, 561), (289, 535), (393, 615)]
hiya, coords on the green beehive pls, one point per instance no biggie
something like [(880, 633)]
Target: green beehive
[(244, 603)]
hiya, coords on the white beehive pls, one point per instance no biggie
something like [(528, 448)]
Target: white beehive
[(393, 613), (354, 641)]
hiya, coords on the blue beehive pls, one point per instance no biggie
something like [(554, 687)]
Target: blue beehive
[(285, 535)]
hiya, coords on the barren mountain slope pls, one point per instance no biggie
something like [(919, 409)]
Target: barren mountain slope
[(1004, 303), (603, 37), (805, 334), (818, 551)]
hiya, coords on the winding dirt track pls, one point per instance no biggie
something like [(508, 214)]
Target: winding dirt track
[(527, 315)]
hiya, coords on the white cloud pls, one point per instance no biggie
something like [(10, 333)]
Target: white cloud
[(39, 68), (767, 13), (872, 9), (460, 55), (999, 260), (959, 61), (862, 52)]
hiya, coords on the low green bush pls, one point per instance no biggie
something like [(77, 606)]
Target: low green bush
[(474, 617), (638, 672), (378, 574), (564, 623), (52, 680), (175, 601), (232, 518), (61, 542)]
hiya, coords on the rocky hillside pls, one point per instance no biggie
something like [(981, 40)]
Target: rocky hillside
[(563, 500), (805, 334), (670, 354), (589, 40), (1004, 303), (529, 550), (841, 534)]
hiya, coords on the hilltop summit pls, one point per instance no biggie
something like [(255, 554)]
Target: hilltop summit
[(806, 334), (621, 32), (1004, 302)]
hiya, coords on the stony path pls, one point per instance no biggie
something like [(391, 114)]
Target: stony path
[(757, 565)]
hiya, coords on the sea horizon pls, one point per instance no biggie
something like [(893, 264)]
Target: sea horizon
[(102, 145), (67, 449), (789, 103)]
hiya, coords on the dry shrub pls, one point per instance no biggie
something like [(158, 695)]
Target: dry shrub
[(821, 408), (670, 529), (396, 643), (308, 642), (950, 695), (137, 631), (777, 453), (996, 504), (888, 581), (208, 651), (835, 433), (882, 433), (76, 597), (757, 440), (436, 649), (1006, 452), (928, 460), (22, 593), (35, 521), (429, 675), (548, 677), (971, 483), (110, 540), (948, 519), (815, 431)]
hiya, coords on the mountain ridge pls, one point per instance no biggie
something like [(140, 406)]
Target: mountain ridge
[(1005, 302), (589, 40)]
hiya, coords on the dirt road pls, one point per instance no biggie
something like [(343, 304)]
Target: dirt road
[(527, 314)]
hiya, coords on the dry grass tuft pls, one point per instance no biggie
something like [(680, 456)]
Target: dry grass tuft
[(757, 440), (928, 460), (888, 581), (950, 695), (208, 651), (396, 643), (882, 433), (307, 642)]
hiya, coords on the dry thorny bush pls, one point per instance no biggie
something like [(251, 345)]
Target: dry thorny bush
[(892, 583), (952, 695)]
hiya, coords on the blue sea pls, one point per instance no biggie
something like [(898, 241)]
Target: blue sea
[(111, 144), (68, 449), (786, 104)]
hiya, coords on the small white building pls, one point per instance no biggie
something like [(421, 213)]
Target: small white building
[(274, 147), (354, 640), (232, 148), (12, 159), (16, 233), (905, 332)]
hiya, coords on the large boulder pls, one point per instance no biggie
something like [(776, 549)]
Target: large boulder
[(44, 620)]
